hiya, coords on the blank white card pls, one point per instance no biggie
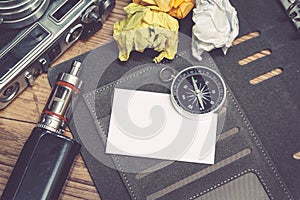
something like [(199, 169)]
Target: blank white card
[(146, 124)]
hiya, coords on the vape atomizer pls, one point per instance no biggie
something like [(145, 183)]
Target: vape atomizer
[(58, 108)]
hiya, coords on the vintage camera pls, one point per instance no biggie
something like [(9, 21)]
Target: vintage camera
[(33, 33)]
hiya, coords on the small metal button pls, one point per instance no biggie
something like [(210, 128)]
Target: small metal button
[(44, 64), (29, 78)]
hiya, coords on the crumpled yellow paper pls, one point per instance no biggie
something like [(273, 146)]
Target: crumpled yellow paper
[(176, 8), (146, 28)]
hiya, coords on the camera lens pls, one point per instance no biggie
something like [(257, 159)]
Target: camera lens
[(9, 93), (18, 14)]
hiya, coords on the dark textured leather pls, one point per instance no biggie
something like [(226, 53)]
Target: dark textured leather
[(257, 162), (272, 108)]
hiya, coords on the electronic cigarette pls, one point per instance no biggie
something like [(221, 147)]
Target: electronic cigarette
[(47, 156)]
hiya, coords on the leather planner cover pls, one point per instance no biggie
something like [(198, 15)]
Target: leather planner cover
[(255, 142)]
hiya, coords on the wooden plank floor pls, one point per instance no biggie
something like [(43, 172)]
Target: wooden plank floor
[(19, 118)]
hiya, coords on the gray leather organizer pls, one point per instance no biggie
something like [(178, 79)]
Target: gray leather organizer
[(254, 149)]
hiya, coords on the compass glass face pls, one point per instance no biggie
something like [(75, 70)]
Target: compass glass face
[(198, 90)]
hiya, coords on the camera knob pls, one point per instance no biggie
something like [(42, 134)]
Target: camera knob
[(92, 14), (95, 17), (74, 33), (10, 92)]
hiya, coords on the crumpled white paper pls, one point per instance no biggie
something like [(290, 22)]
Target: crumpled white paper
[(216, 26)]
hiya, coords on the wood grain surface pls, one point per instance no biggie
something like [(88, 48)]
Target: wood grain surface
[(20, 117)]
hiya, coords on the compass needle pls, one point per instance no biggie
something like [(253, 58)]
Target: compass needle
[(200, 100), (197, 92)]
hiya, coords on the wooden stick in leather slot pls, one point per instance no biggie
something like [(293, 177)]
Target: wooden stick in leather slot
[(296, 156), (245, 38), (228, 133), (200, 174), (255, 56), (266, 76)]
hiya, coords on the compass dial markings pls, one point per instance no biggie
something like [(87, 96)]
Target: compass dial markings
[(203, 90)]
